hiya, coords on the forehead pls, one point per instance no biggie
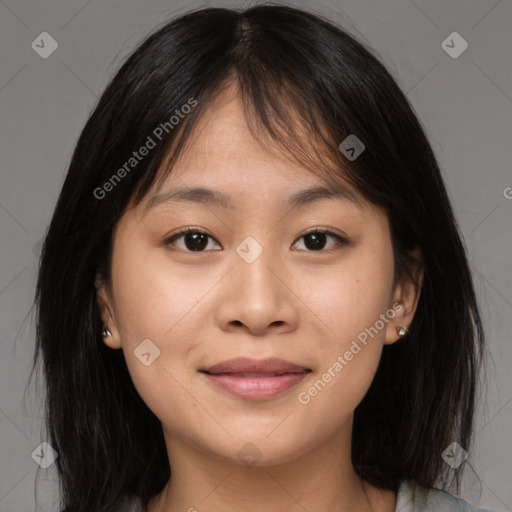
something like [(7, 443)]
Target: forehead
[(223, 162), (222, 137)]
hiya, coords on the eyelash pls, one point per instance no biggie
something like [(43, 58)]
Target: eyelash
[(341, 241)]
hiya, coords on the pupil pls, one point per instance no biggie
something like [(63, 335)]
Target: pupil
[(197, 241), (317, 239)]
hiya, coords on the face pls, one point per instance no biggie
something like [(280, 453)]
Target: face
[(305, 282)]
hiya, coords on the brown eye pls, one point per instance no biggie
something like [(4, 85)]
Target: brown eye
[(316, 240), (194, 240)]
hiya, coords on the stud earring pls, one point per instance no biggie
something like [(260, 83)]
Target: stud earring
[(106, 333), (401, 330)]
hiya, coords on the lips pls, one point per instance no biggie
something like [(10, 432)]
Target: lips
[(251, 379), (245, 367)]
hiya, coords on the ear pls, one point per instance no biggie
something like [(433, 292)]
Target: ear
[(107, 317), (406, 297)]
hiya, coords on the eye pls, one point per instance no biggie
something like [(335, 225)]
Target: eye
[(316, 239), (194, 239)]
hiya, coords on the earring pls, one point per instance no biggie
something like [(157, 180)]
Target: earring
[(106, 333), (401, 330)]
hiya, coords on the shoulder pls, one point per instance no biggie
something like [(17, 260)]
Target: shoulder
[(413, 498)]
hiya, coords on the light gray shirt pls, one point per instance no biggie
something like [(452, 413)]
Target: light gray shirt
[(410, 498), (413, 498)]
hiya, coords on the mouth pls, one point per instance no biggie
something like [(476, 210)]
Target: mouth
[(255, 380), (245, 365), (256, 374)]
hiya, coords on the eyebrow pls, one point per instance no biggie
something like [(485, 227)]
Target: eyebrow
[(217, 198)]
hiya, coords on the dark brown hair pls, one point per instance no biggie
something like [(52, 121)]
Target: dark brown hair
[(308, 85)]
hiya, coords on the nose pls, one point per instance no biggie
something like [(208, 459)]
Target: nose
[(257, 297)]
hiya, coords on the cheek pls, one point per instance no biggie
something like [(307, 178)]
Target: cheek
[(350, 296), (164, 383), (349, 302), (155, 302), (164, 391), (153, 296)]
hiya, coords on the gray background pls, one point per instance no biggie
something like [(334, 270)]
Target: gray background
[(464, 103)]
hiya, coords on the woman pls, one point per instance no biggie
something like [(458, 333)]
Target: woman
[(254, 216)]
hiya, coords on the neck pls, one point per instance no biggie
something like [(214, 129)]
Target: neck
[(320, 479)]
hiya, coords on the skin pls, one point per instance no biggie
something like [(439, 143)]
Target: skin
[(292, 302)]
